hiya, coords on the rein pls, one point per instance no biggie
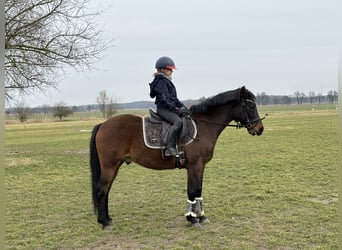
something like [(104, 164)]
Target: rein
[(238, 124), (249, 124)]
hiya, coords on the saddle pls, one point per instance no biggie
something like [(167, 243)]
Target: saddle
[(155, 130)]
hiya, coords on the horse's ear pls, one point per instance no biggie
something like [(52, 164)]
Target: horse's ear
[(242, 91)]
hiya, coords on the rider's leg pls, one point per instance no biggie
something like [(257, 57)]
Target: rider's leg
[(172, 134)]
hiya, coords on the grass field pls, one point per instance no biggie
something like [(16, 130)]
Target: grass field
[(277, 191)]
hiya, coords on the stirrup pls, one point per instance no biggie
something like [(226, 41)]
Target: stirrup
[(171, 152)]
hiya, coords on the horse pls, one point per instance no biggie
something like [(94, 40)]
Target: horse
[(120, 140)]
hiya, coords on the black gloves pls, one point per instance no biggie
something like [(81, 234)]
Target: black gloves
[(183, 111)]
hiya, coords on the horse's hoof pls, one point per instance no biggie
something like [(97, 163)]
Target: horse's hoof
[(107, 228), (196, 225), (204, 220)]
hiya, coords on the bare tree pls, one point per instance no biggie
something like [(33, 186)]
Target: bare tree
[(312, 96), (102, 101), (60, 110), (22, 111), (112, 107), (108, 105), (299, 97), (335, 95), (42, 37), (319, 97), (332, 95)]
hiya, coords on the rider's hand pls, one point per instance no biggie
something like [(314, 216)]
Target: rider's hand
[(183, 111)]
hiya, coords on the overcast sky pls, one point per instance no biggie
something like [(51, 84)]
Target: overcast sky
[(271, 46)]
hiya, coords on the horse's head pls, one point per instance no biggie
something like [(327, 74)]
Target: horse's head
[(249, 116)]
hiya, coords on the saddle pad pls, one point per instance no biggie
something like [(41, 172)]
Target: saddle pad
[(154, 133)]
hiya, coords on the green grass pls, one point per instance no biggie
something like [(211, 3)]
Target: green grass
[(277, 191)]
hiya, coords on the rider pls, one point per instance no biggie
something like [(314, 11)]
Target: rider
[(168, 105)]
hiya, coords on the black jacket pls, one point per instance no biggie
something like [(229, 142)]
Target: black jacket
[(165, 93)]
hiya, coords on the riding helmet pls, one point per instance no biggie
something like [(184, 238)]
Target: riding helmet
[(165, 62)]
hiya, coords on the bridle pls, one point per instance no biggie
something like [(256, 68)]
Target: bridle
[(245, 106)]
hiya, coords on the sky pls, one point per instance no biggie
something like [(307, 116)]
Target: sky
[(272, 46)]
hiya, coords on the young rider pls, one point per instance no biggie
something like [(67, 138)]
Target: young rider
[(168, 105)]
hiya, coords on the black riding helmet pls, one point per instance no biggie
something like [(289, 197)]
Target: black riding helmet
[(165, 62)]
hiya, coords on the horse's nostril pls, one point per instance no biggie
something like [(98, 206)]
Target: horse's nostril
[(261, 130)]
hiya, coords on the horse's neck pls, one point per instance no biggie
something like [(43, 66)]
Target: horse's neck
[(217, 120), (222, 114)]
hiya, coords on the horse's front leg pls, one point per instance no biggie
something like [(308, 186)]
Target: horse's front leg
[(194, 212)]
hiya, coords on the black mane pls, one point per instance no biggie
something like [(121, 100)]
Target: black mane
[(222, 98)]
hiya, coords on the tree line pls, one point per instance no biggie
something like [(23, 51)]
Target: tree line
[(297, 98), (108, 105)]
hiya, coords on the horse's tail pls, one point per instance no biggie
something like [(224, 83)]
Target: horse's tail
[(95, 167)]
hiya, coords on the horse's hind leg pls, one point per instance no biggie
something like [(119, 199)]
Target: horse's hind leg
[(108, 218), (104, 185)]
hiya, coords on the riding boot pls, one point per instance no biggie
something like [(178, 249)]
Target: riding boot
[(171, 149)]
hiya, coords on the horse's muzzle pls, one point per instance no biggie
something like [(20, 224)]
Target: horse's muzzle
[(256, 129)]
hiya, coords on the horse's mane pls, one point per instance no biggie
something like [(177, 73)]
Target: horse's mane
[(219, 99)]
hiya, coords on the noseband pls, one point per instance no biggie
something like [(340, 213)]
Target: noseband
[(250, 124)]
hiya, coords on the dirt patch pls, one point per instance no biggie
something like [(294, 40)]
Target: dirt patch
[(77, 152), (113, 242), (21, 162), (324, 200)]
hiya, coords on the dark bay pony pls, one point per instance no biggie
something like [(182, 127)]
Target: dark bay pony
[(120, 139)]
